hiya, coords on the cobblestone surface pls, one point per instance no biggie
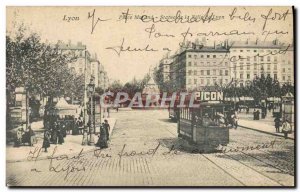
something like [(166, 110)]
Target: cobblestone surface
[(142, 153)]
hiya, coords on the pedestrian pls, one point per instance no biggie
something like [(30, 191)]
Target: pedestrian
[(31, 135), (107, 128), (84, 138), (46, 142), (60, 136), (102, 139), (107, 112), (286, 128), (235, 120), (19, 137), (277, 123), (247, 110), (54, 133)]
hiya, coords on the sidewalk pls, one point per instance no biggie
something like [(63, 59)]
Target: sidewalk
[(71, 145), (263, 125)]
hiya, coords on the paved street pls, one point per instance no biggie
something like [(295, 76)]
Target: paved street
[(145, 151)]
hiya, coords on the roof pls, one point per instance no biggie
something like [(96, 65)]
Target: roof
[(256, 44)]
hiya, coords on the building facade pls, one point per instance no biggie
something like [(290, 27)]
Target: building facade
[(85, 63), (201, 66), (254, 58), (239, 62)]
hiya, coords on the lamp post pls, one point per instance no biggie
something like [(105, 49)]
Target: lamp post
[(91, 91)]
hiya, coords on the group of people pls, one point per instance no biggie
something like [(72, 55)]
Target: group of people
[(54, 133), (286, 126), (23, 137), (103, 136)]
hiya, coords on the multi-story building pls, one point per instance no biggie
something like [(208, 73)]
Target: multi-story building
[(85, 63), (254, 58), (236, 62), (286, 69), (201, 66), (164, 66)]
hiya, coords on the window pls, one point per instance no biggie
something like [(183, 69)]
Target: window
[(275, 59), (214, 56), (268, 67), (283, 78), (202, 63), (248, 76), (208, 81), (190, 56), (268, 58), (202, 56), (241, 76), (190, 72), (221, 72), (208, 63), (208, 56), (248, 50), (289, 78), (255, 66), (195, 56), (248, 58), (275, 76), (190, 63), (248, 66), (214, 81), (208, 72), (226, 64), (195, 72), (241, 50), (202, 72), (275, 67), (190, 81), (254, 51), (195, 81), (226, 72), (261, 58), (283, 70), (241, 67), (289, 62), (195, 63), (214, 72), (255, 58), (202, 81), (226, 81)]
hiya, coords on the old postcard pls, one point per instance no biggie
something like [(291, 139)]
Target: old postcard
[(150, 96)]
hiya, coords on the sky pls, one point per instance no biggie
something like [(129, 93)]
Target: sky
[(50, 24)]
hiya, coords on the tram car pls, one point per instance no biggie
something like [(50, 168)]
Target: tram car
[(205, 125)]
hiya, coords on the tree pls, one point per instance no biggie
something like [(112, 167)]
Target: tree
[(39, 67)]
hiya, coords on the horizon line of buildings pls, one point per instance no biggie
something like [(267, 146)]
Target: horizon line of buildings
[(198, 65)]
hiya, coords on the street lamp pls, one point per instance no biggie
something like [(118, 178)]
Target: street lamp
[(91, 91)]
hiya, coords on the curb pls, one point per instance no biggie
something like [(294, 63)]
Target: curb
[(274, 134)]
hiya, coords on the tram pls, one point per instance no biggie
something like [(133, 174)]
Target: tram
[(205, 125)]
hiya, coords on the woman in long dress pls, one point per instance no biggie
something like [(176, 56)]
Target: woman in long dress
[(46, 142), (102, 141)]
